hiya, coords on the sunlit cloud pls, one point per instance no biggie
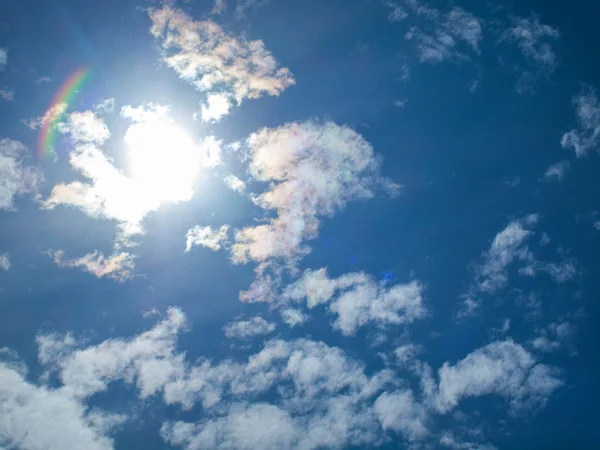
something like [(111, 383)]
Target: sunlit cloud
[(234, 183), (118, 266), (50, 116), (163, 163), (230, 69)]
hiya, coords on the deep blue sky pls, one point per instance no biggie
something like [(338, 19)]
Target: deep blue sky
[(470, 149)]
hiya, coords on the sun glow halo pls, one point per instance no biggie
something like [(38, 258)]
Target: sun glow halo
[(164, 161)]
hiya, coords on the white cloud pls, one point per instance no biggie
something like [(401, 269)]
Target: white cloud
[(314, 169), (501, 368), (357, 299), (42, 80), (105, 106), (202, 53), (532, 38), (244, 329), (293, 317), (5, 261), (16, 178), (399, 412), (234, 183), (40, 417), (217, 106), (587, 137), (206, 237), (397, 13), (510, 246), (3, 58), (444, 33), (448, 440), (118, 266), (554, 337), (558, 171), (7, 94)]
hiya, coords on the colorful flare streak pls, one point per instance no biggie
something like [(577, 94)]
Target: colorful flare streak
[(64, 96)]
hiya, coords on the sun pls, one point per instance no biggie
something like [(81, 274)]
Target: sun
[(163, 160)]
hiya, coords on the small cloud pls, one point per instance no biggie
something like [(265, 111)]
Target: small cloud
[(557, 171), (107, 106), (219, 7), (587, 137), (217, 106), (118, 266), (5, 261), (234, 183), (7, 94), (244, 329), (3, 58), (545, 240), (397, 12), (206, 237), (400, 103), (42, 80), (293, 317), (17, 177), (50, 116), (512, 182)]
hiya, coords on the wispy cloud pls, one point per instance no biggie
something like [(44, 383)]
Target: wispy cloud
[(16, 177), (7, 94), (244, 329), (3, 58), (50, 116), (42, 80), (5, 261), (587, 136), (202, 53), (106, 106), (558, 171), (234, 183), (118, 266), (206, 237)]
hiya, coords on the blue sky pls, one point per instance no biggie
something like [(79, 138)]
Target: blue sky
[(299, 225)]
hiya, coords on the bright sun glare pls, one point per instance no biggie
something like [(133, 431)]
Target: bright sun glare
[(163, 160)]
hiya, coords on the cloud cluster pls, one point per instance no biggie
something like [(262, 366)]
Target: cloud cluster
[(442, 36), (318, 397), (228, 68), (357, 299), (16, 177), (587, 137)]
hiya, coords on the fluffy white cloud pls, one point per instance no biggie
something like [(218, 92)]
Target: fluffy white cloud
[(234, 183), (554, 337), (314, 169), (558, 171), (206, 237), (358, 299), (118, 266), (501, 368), (399, 412), (217, 106), (5, 261), (244, 329), (293, 317), (587, 137), (39, 417), (202, 53), (16, 178)]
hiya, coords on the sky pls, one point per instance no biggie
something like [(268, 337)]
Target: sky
[(351, 224)]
